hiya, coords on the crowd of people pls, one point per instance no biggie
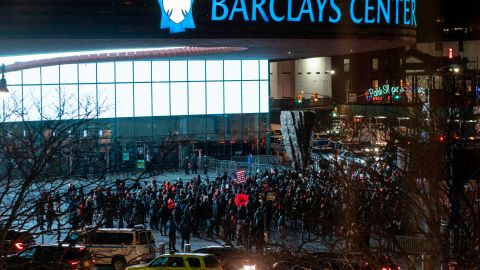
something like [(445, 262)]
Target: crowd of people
[(324, 202)]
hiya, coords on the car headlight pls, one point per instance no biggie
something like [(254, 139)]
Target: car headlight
[(249, 267)]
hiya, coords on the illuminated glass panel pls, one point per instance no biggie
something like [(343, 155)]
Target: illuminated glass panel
[(232, 69), (31, 76), (250, 97), (214, 97), (250, 70), (161, 99), (124, 71), (214, 70), (142, 71), (124, 100), (196, 96), (88, 100), (14, 78), (12, 105), (160, 71), (178, 71), (179, 101), (264, 70), (69, 73), (143, 99), (50, 101), (69, 101), (264, 97), (50, 75), (196, 70), (106, 72), (106, 100), (32, 98), (233, 97), (87, 73)]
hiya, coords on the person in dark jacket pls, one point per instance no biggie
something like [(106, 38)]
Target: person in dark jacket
[(185, 229), (172, 233)]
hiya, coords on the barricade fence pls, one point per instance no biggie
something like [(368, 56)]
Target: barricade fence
[(230, 166)]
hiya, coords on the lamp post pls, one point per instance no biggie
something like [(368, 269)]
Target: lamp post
[(3, 84)]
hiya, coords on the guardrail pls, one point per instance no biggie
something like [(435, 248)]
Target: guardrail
[(229, 166)]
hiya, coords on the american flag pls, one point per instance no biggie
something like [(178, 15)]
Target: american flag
[(241, 177)]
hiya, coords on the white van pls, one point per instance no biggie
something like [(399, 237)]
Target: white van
[(117, 247)]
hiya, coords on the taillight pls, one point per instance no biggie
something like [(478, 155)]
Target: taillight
[(74, 263), (386, 268), (19, 245)]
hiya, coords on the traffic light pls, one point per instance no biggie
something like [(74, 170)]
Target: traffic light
[(397, 97), (299, 99), (334, 109)]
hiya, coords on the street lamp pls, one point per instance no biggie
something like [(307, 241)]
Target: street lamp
[(3, 84)]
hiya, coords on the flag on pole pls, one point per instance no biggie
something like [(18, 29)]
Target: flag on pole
[(241, 177)]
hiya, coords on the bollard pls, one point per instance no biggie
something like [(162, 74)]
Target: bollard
[(161, 248), (187, 248)]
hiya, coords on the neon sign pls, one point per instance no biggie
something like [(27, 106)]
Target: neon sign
[(318, 11), (177, 15), (377, 93)]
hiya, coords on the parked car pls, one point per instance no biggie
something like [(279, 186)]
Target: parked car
[(16, 241), (231, 258), (181, 261), (51, 257), (117, 247)]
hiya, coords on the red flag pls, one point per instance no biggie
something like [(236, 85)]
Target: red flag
[(241, 177), (241, 200)]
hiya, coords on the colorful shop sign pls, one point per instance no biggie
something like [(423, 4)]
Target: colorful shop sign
[(377, 94)]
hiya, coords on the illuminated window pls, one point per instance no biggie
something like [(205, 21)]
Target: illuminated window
[(87, 73), (14, 78), (31, 76), (264, 67), (250, 70), (106, 100), (178, 71), (161, 99), (124, 71), (196, 98), (50, 75), (232, 70), (142, 71), (143, 99), (214, 70), (214, 97), (32, 97), (346, 65), (124, 104), (233, 97), (106, 72), (375, 64), (179, 101), (264, 97), (250, 97), (88, 100), (196, 70), (69, 101), (160, 71), (69, 73)]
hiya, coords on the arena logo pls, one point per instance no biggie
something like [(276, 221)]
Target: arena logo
[(176, 15), (398, 12)]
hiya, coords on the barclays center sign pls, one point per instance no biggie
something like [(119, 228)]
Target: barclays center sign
[(179, 15)]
